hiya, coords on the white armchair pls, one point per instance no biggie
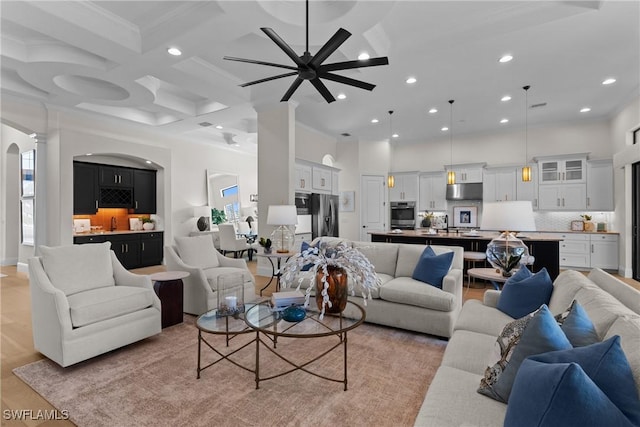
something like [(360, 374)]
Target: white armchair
[(85, 303), (197, 256), (230, 242)]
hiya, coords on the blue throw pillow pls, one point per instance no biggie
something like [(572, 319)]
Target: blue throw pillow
[(559, 394), (432, 268), (577, 326), (305, 246), (524, 292), (607, 366), (542, 334)]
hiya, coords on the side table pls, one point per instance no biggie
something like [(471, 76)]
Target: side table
[(169, 288), (489, 274), (275, 268)]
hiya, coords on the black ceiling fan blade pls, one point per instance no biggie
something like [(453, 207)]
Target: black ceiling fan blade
[(284, 46), (329, 47), (323, 90), (253, 61), (347, 81), (279, 76), (294, 86), (347, 65)]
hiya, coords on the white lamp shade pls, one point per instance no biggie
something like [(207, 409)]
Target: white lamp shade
[(204, 211), (508, 216), (282, 215)]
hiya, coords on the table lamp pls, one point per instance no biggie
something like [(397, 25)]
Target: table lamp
[(283, 216), (506, 252)]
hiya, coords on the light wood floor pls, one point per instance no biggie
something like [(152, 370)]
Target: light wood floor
[(16, 346)]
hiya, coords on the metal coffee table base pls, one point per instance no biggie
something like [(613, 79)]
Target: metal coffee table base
[(223, 356)]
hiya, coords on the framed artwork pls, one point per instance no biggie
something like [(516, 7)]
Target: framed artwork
[(347, 202), (465, 216), (27, 173)]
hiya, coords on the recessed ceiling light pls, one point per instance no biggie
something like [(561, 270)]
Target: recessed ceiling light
[(33, 135), (411, 80), (444, 129), (505, 98), (609, 81), (148, 162), (218, 127), (585, 109), (174, 51), (505, 58), (433, 110), (342, 96), (504, 121), (374, 120), (89, 154), (395, 135), (363, 56)]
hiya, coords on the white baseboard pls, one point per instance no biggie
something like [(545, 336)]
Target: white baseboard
[(9, 261)]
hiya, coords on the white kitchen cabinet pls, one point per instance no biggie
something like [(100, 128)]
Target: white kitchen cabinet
[(321, 178), (303, 178), (558, 197), (499, 185), (561, 170), (468, 173), (335, 189), (604, 251), (432, 191), (600, 185), (405, 187), (575, 250), (528, 190)]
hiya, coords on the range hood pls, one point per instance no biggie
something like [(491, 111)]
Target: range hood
[(470, 191)]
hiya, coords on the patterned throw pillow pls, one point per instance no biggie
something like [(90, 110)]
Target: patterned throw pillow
[(305, 246), (577, 326)]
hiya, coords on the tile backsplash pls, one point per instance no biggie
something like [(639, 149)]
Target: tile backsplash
[(104, 215)]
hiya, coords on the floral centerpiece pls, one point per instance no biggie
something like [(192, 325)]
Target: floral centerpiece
[(331, 265)]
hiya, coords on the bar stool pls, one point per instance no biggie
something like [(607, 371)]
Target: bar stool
[(471, 259)]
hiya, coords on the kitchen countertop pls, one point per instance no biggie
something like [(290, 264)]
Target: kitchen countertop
[(114, 232), (538, 235)]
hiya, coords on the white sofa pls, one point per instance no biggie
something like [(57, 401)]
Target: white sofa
[(85, 303), (197, 256), (452, 399), (401, 301)]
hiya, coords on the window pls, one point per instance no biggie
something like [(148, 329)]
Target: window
[(231, 203), (27, 195), (636, 136)]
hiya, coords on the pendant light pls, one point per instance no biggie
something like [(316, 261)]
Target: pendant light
[(451, 175), (526, 169), (391, 180)]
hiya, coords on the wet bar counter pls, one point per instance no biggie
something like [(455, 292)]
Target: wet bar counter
[(544, 247)]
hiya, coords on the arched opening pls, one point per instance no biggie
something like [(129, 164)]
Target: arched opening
[(328, 160)]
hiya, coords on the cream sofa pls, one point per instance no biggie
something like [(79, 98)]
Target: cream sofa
[(401, 301), (452, 400), (84, 303)]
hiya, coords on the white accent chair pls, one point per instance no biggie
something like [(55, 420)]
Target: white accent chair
[(197, 256), (85, 303), (230, 242)]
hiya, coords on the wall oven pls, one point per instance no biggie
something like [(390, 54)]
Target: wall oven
[(403, 215)]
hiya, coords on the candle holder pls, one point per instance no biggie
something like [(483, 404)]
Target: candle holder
[(230, 295)]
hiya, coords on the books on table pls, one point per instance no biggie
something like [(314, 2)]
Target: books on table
[(281, 300)]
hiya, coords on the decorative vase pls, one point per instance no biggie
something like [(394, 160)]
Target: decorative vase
[(337, 290), (426, 223), (148, 226)]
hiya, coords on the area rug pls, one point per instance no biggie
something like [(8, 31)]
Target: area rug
[(153, 382)]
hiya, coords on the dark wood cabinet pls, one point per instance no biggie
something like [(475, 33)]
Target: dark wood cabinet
[(133, 250), (144, 191), (85, 188), (114, 176)]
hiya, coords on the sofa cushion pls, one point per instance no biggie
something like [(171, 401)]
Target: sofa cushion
[(524, 292), (405, 290), (577, 326), (477, 317), (629, 330), (466, 350), (78, 268), (602, 308), (565, 288), (559, 394), (432, 268), (540, 335), (627, 295), (100, 304), (197, 251), (383, 256)]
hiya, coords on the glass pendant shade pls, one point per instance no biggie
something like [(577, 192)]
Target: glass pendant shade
[(451, 177), (391, 181), (526, 174), (507, 253)]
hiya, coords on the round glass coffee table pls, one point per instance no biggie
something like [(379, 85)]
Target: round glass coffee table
[(229, 326), (268, 324)]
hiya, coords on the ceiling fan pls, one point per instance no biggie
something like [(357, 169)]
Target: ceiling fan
[(310, 67)]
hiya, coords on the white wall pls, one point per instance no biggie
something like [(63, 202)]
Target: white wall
[(312, 145)]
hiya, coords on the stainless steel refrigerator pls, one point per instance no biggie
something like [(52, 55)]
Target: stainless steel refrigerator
[(324, 215)]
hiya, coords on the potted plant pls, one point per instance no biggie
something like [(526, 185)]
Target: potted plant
[(266, 244), (427, 217), (588, 225), (218, 216), (332, 266), (147, 223)]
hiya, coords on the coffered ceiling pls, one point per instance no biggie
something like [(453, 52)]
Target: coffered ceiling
[(110, 58)]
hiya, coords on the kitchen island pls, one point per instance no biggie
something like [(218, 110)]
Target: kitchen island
[(543, 246)]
